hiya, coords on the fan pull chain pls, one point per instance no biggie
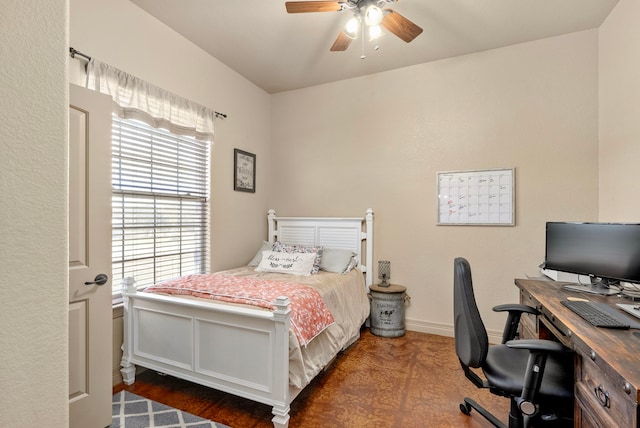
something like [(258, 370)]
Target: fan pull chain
[(362, 56)]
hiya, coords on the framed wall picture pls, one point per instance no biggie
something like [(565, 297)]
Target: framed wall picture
[(480, 197), (244, 171)]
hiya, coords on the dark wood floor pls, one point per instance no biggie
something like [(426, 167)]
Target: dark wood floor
[(411, 381)]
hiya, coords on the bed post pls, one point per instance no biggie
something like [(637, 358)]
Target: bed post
[(127, 370), (271, 216), (369, 243), (281, 408)]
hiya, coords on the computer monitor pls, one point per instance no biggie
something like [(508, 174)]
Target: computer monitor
[(609, 252)]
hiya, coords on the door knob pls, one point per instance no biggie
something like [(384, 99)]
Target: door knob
[(100, 279)]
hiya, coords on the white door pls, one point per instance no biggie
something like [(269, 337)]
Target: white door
[(90, 313)]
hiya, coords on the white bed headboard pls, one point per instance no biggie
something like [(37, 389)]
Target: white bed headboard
[(329, 232)]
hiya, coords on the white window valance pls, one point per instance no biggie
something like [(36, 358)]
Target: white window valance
[(133, 98)]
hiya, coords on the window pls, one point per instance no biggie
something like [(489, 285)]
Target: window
[(160, 222)]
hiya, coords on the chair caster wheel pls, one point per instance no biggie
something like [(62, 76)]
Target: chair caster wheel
[(465, 408)]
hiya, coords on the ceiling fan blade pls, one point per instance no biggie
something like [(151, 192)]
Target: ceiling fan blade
[(400, 26), (313, 6), (342, 42)]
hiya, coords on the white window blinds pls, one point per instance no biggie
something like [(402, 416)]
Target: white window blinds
[(160, 203)]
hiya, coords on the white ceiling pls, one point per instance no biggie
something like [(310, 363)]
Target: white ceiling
[(279, 51)]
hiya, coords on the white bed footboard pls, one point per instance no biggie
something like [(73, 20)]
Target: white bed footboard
[(238, 350)]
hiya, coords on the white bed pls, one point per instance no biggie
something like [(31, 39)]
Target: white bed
[(247, 351)]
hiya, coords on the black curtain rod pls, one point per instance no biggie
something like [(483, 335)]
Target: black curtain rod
[(74, 52)]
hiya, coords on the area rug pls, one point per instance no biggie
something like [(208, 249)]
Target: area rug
[(132, 411)]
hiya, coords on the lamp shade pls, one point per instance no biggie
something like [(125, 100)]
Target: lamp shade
[(384, 272)]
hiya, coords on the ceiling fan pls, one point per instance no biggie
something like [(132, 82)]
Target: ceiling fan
[(369, 14)]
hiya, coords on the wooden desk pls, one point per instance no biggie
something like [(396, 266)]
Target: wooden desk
[(607, 369)]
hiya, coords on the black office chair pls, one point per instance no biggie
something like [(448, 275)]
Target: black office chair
[(537, 375)]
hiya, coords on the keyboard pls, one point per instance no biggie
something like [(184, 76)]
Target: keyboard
[(596, 314)]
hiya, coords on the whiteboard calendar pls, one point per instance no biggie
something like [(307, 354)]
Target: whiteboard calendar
[(481, 197)]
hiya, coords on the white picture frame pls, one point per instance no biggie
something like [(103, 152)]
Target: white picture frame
[(484, 197)]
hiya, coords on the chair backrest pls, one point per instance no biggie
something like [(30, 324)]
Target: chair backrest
[(471, 340)]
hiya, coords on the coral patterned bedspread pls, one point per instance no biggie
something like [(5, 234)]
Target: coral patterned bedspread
[(309, 313)]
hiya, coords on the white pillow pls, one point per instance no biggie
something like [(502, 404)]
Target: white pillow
[(256, 259), (336, 260), (291, 263)]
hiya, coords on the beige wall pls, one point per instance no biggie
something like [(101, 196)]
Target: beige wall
[(33, 219), (148, 49), (378, 141), (619, 113)]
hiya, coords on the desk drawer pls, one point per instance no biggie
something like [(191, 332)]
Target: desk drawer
[(604, 398), (588, 413)]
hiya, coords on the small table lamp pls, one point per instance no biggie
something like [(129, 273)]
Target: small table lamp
[(384, 272)]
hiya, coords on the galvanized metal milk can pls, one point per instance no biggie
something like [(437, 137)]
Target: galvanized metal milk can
[(387, 310)]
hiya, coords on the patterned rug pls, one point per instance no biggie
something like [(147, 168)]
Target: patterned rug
[(133, 411)]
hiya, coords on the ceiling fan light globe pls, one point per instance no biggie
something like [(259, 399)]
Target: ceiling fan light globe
[(375, 32), (373, 15), (352, 27)]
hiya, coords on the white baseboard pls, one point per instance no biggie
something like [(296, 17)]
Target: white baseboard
[(442, 329), (117, 378)]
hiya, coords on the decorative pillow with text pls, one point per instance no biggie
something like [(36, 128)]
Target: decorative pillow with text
[(298, 249), (291, 263)]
